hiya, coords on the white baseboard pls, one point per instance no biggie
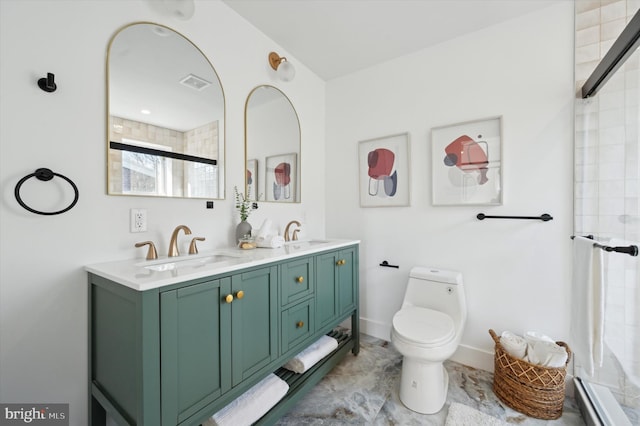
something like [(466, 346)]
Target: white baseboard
[(467, 355), (474, 357), (377, 329)]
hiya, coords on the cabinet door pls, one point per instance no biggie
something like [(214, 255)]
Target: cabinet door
[(335, 285), (195, 348), (254, 321), (326, 289), (346, 269)]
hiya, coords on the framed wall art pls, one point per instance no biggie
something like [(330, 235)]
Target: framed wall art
[(467, 163), (281, 178), (383, 168), (252, 179)]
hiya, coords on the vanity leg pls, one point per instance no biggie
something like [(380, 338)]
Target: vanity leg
[(97, 414), (355, 332)]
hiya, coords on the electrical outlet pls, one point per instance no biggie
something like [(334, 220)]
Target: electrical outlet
[(138, 220)]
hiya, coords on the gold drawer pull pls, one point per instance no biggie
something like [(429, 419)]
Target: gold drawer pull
[(240, 294), (300, 279), (341, 262), (300, 324), (229, 298)]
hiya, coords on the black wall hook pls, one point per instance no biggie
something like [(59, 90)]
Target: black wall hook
[(48, 84)]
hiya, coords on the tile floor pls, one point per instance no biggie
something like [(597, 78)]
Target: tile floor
[(363, 390)]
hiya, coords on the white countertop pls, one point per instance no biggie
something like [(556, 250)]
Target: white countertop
[(141, 275)]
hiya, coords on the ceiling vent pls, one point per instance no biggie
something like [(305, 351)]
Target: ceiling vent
[(195, 82)]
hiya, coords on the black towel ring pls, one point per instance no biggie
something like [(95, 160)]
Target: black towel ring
[(45, 174)]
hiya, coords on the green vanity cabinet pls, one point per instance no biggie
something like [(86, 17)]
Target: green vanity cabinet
[(195, 316), (336, 278), (297, 310), (297, 280), (177, 353), (254, 321), (297, 324), (232, 323)]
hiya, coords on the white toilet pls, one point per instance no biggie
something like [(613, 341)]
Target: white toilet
[(426, 331)]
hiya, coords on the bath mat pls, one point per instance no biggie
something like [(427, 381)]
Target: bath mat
[(463, 415)]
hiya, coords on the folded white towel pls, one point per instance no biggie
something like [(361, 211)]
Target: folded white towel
[(547, 354), (266, 230), (273, 241), (514, 345), (314, 353), (587, 305), (251, 405)]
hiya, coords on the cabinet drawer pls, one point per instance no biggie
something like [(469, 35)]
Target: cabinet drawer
[(297, 280), (297, 324)]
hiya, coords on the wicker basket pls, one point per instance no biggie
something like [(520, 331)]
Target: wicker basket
[(531, 389)]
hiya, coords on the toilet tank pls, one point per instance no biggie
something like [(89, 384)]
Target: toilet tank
[(437, 289)]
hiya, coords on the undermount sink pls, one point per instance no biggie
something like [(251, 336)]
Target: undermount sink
[(171, 264), (292, 246), (306, 242)]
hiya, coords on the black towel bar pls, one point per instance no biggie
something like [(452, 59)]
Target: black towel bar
[(544, 217), (631, 250)]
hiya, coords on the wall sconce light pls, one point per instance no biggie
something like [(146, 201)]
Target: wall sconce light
[(284, 69)]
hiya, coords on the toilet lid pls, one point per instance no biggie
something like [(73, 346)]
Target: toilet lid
[(423, 326)]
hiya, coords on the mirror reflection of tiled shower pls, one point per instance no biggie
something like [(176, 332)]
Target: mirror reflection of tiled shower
[(607, 187)]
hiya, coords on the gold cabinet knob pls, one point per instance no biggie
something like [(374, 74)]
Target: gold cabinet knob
[(229, 298), (300, 279), (300, 324), (240, 294), (341, 262)]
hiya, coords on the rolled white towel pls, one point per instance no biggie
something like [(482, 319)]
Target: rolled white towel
[(532, 336), (310, 356), (273, 241), (514, 345), (547, 354), (251, 405), (534, 356)]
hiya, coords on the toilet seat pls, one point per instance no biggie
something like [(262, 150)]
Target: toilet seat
[(423, 327)]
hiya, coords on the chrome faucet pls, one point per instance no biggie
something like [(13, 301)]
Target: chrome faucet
[(173, 244), (295, 231)]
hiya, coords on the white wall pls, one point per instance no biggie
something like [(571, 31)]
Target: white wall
[(43, 297), (516, 273)]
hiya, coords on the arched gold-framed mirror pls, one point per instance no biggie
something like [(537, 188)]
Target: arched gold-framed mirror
[(165, 116), (272, 147)]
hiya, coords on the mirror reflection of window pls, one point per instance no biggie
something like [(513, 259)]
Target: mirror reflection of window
[(201, 180), (145, 174)]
